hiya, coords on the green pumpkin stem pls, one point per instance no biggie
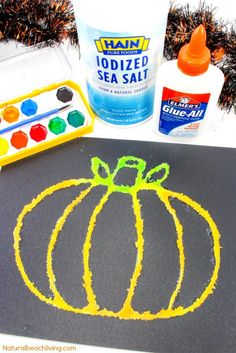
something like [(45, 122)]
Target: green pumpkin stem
[(155, 176), (132, 163)]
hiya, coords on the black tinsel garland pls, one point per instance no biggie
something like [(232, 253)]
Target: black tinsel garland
[(35, 21)]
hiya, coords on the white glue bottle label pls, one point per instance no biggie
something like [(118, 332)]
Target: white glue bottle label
[(181, 113), (121, 55), (187, 91)]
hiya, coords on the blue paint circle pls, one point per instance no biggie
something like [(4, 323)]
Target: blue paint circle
[(29, 107)]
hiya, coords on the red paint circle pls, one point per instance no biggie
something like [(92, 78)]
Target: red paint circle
[(38, 132)]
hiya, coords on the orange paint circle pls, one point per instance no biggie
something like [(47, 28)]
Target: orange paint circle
[(11, 114), (19, 139)]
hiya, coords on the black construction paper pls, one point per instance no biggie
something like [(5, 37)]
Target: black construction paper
[(206, 174)]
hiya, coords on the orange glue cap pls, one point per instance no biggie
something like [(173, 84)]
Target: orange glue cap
[(194, 58)]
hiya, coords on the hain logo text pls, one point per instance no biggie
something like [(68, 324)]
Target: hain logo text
[(122, 45)]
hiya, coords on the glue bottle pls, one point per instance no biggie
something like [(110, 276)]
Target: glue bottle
[(187, 91), (121, 46)]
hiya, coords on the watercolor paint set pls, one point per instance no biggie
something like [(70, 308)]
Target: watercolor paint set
[(34, 119)]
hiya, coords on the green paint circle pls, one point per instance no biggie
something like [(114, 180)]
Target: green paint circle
[(57, 126), (76, 118)]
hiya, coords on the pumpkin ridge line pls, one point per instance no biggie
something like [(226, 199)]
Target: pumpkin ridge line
[(216, 251), (87, 276), (58, 298), (127, 306), (27, 209), (180, 245)]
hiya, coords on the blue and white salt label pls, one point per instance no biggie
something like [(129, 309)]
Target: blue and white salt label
[(182, 113), (120, 73)]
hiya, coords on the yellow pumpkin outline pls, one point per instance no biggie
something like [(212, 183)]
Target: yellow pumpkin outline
[(141, 183)]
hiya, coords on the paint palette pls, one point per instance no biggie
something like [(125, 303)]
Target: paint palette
[(43, 118)]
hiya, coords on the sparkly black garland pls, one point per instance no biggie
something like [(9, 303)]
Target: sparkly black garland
[(36, 21), (52, 21)]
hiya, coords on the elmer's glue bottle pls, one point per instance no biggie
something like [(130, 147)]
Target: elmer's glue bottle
[(187, 91), (121, 46)]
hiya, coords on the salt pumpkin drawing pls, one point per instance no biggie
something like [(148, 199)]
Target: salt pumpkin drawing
[(149, 181)]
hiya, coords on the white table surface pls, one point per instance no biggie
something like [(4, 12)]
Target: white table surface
[(222, 133)]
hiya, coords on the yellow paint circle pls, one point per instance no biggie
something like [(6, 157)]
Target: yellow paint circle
[(4, 146)]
